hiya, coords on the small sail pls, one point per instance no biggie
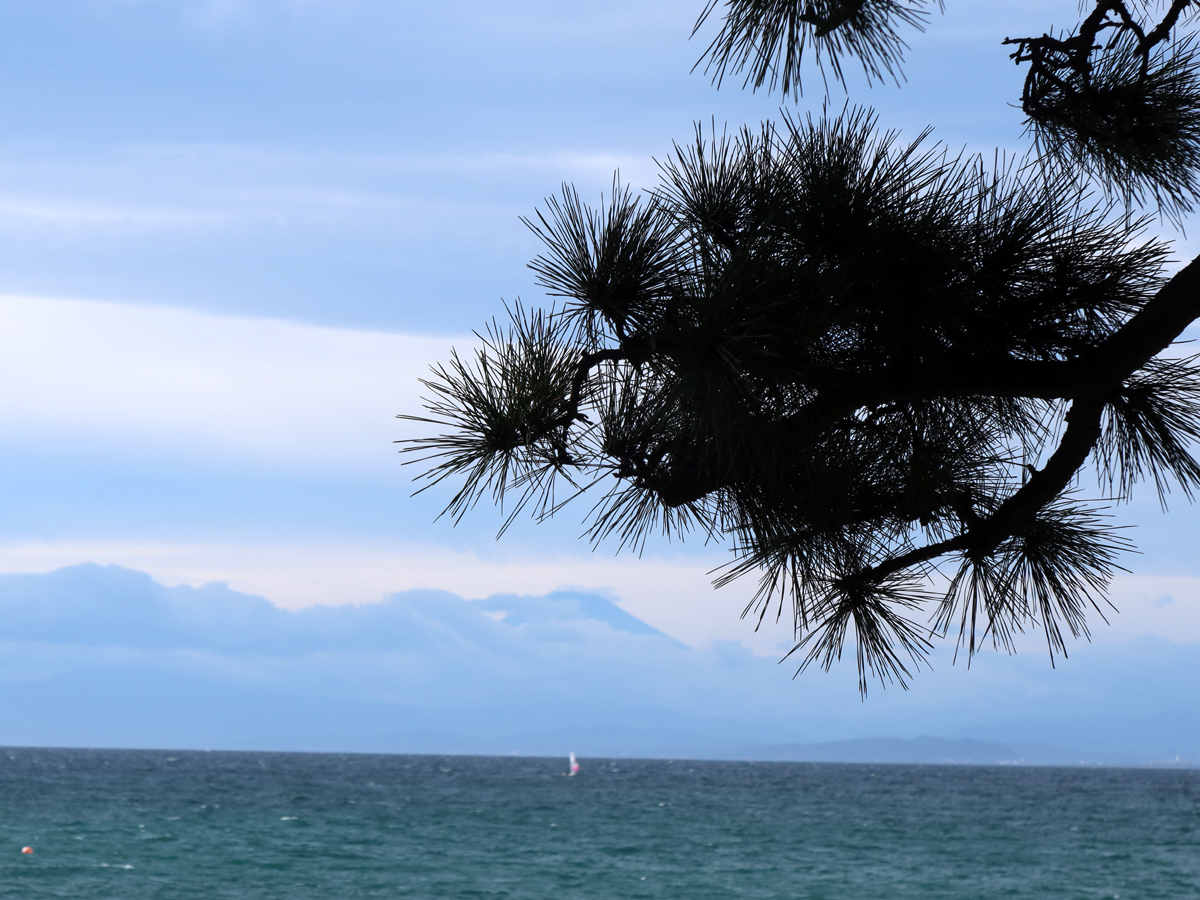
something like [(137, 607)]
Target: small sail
[(574, 765)]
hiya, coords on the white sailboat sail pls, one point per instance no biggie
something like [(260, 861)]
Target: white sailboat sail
[(574, 770)]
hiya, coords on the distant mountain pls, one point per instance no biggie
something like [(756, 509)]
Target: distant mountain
[(108, 657), (91, 605), (927, 750)]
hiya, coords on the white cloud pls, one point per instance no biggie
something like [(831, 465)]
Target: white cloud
[(141, 380), (1164, 605)]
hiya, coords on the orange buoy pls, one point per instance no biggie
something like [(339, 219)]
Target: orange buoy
[(26, 849)]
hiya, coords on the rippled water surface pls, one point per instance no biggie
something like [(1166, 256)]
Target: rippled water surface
[(129, 825)]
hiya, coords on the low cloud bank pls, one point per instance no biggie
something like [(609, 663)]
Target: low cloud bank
[(104, 656)]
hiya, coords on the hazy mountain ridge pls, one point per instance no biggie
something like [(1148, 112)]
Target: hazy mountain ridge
[(107, 657), (91, 605)]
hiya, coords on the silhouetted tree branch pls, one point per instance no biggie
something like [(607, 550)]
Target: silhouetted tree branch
[(858, 360)]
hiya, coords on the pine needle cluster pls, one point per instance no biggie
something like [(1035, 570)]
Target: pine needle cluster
[(1119, 100)]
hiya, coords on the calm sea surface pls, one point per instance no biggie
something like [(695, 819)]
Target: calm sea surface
[(140, 824)]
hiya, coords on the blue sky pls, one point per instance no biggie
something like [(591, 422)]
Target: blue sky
[(234, 233)]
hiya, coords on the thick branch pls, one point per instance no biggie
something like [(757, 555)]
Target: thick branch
[(1151, 331), (1080, 436), (1082, 432), (1096, 373), (629, 351)]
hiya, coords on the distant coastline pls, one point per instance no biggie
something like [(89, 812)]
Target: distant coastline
[(633, 744)]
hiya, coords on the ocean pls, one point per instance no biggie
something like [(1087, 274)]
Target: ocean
[(128, 825)]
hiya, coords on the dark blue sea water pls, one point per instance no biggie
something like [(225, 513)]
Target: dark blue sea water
[(147, 824)]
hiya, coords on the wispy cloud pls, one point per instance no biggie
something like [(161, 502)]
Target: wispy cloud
[(16, 212), (201, 187)]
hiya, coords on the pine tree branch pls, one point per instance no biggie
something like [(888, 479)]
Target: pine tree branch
[(1151, 331), (982, 539), (1078, 440), (1095, 374)]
